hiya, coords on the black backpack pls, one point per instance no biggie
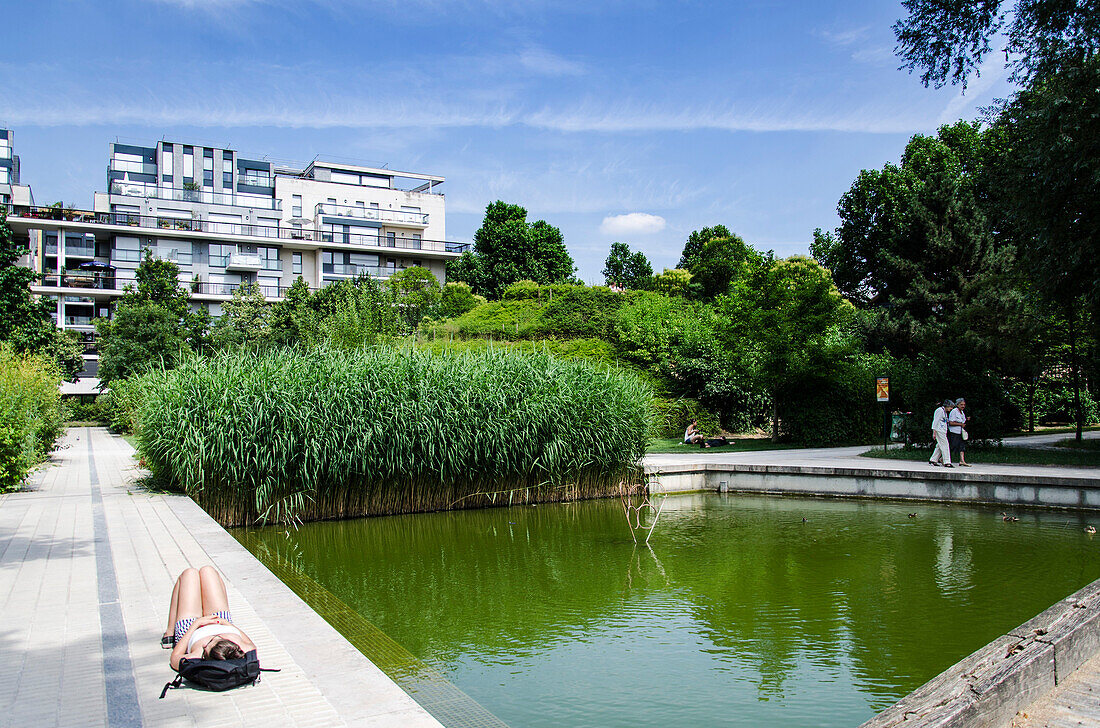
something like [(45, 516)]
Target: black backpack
[(218, 675)]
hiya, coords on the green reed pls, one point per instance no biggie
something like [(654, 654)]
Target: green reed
[(303, 435)]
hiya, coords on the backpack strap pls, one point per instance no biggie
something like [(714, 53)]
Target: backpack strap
[(171, 685)]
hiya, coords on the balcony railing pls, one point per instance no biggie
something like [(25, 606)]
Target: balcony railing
[(244, 261), (399, 217), (78, 320), (93, 281), (227, 289), (136, 256), (342, 269), (206, 196), (233, 229)]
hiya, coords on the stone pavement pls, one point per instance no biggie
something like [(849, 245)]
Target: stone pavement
[(849, 457), (87, 563)]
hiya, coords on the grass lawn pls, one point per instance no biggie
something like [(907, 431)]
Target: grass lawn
[(1009, 455), (1093, 445), (1053, 430), (132, 439), (739, 445)]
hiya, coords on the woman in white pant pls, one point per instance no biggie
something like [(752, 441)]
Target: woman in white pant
[(942, 453)]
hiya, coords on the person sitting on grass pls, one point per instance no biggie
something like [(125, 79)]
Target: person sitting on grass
[(199, 623), (692, 435)]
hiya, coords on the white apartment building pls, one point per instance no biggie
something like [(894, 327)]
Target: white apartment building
[(11, 192), (228, 220)]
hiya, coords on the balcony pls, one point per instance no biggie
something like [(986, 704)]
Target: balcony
[(205, 196), (227, 230), (180, 257), (84, 280), (250, 262), (343, 269), (356, 212), (78, 320), (226, 289)]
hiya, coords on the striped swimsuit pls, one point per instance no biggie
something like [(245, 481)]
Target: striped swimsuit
[(185, 624)]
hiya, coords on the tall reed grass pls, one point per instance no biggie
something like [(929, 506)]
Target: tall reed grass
[(308, 435)]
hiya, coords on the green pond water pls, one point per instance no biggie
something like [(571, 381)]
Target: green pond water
[(737, 613)]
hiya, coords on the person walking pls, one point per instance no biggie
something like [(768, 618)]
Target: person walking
[(942, 453), (956, 432)]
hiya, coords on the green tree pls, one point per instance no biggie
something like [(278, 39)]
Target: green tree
[(141, 335), (158, 282), (674, 282), (26, 322), (416, 292), (456, 298), (947, 40), (245, 320), (507, 249), (916, 246), (720, 262), (790, 316), (626, 270), (289, 314), (695, 242)]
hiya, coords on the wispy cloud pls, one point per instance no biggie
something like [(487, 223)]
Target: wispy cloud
[(991, 74), (844, 36), (633, 223)]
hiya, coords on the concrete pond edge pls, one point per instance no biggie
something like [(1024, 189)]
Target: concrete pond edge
[(990, 686)]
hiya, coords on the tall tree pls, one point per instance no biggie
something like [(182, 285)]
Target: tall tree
[(695, 242), (917, 247), (508, 249), (245, 320), (417, 294), (626, 270), (720, 262), (25, 321), (947, 40)]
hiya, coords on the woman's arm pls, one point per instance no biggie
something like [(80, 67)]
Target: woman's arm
[(180, 650)]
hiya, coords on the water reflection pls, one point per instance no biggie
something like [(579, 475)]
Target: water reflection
[(737, 609)]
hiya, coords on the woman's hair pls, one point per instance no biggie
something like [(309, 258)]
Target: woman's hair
[(223, 649)]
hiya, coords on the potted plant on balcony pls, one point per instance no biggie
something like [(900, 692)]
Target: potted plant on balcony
[(191, 191), (195, 283), (164, 223)]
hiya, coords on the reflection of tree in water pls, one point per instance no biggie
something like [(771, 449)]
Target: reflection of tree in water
[(859, 588)]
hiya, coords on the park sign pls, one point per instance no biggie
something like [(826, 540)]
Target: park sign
[(882, 389)]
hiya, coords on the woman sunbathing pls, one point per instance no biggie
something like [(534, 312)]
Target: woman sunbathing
[(199, 623)]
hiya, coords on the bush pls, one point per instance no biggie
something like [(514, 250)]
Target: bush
[(94, 411), (1053, 402), (30, 413), (121, 404), (836, 406), (326, 434)]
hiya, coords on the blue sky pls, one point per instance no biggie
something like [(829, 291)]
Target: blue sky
[(634, 121)]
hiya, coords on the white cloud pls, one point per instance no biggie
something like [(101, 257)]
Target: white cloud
[(633, 223), (990, 73), (844, 37)]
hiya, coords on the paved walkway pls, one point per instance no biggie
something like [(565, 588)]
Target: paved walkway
[(87, 563), (849, 457), (1074, 703)]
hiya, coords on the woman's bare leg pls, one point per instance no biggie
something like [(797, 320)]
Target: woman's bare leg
[(187, 596), (214, 598)]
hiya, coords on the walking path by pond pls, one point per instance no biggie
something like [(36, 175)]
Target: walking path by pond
[(87, 563)]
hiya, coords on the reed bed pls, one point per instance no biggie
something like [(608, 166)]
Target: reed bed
[(305, 435)]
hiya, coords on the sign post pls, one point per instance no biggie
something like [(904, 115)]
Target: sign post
[(882, 394)]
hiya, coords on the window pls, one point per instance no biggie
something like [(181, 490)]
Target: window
[(188, 164), (3, 175), (166, 162), (269, 257), (255, 177), (208, 154), (296, 264), (227, 172), (391, 240), (296, 207)]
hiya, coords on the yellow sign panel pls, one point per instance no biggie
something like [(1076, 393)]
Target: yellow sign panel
[(882, 389)]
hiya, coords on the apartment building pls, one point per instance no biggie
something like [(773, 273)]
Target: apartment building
[(229, 220), (11, 192)]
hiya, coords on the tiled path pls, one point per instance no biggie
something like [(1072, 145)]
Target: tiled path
[(87, 563)]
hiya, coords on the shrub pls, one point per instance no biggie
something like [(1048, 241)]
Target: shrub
[(94, 411), (121, 404), (672, 415), (325, 434), (30, 413)]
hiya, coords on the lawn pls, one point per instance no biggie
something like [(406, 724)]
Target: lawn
[(1086, 445), (994, 455), (739, 445)]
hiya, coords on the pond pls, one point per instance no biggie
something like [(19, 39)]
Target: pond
[(737, 613)]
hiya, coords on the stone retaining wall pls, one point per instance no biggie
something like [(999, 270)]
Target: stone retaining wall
[(940, 485), (990, 686)]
